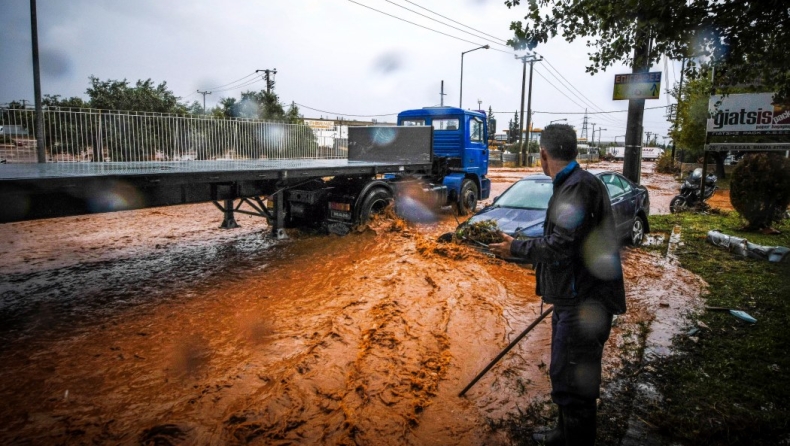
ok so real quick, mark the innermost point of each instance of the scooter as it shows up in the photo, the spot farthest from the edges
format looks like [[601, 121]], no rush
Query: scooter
[[689, 196]]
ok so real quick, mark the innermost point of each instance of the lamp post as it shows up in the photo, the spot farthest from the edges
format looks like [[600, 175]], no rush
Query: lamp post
[[461, 95], [618, 136], [558, 120]]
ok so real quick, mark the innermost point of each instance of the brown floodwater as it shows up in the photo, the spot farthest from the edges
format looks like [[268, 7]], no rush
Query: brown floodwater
[[154, 327]]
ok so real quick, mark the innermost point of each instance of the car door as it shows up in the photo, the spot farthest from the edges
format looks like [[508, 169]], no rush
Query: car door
[[621, 203]]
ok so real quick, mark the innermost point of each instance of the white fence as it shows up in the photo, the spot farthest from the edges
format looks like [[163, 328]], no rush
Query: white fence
[[90, 135]]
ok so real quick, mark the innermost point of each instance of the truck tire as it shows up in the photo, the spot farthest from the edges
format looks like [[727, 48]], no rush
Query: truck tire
[[375, 202], [467, 199]]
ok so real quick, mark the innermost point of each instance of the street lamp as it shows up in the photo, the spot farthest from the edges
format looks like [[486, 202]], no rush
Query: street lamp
[[618, 136], [558, 120], [461, 95]]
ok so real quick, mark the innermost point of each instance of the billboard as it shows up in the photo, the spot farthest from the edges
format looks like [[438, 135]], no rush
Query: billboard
[[747, 114]]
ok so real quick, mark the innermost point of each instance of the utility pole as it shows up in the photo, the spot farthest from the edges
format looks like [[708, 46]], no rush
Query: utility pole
[[524, 147], [268, 76], [593, 132], [204, 93], [479, 104], [647, 142], [632, 157], [442, 94], [40, 151]]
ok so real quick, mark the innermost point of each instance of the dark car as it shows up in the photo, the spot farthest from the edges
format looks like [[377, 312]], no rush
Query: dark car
[[521, 210]]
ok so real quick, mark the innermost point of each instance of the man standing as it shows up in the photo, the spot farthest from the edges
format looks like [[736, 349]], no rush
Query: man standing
[[578, 270]]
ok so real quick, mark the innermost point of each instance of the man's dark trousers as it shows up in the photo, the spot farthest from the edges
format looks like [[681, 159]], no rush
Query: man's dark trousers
[[578, 336]]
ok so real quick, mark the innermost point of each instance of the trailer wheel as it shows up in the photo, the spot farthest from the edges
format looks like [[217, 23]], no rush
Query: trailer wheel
[[467, 199], [375, 202]]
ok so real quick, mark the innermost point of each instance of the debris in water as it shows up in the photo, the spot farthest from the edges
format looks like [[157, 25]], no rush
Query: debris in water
[[743, 247], [484, 232], [743, 316]]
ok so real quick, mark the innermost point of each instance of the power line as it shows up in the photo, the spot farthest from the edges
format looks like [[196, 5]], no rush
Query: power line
[[246, 84], [465, 26], [345, 114], [580, 95], [424, 27], [442, 23], [581, 113], [231, 83]]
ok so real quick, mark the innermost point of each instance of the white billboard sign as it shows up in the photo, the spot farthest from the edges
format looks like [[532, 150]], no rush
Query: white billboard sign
[[745, 114], [320, 125]]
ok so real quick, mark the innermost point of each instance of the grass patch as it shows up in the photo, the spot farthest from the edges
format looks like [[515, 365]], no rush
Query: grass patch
[[733, 384]]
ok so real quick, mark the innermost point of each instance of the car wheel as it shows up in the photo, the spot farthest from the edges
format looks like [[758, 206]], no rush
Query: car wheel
[[678, 204], [376, 201], [638, 231], [467, 199]]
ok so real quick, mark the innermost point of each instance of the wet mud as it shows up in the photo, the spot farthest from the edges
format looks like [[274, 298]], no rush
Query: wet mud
[[143, 328]]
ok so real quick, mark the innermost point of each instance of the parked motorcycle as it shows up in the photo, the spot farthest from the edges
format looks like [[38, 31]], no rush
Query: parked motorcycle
[[689, 195]]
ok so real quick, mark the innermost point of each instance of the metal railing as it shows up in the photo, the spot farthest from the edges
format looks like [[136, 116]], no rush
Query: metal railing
[[91, 135]]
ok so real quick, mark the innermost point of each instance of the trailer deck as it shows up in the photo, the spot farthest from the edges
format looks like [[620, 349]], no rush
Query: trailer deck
[[46, 190]]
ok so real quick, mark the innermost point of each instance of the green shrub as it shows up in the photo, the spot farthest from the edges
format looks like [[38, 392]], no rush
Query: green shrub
[[760, 188], [665, 164]]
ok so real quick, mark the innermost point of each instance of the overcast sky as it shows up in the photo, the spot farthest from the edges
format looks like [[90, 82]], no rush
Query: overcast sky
[[333, 57]]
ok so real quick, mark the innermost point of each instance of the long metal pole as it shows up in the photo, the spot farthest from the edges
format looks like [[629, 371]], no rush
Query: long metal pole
[[40, 152], [461, 93], [522, 162], [507, 349]]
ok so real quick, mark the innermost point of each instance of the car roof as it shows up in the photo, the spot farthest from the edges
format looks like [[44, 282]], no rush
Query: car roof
[[540, 176]]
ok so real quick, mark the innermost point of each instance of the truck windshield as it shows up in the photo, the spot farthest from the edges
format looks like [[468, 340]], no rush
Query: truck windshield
[[445, 124], [411, 122]]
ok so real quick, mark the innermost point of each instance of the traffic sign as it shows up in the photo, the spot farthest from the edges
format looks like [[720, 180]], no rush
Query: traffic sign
[[637, 86]]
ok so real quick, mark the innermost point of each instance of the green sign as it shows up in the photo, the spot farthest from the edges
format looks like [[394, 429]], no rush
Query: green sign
[[637, 86]]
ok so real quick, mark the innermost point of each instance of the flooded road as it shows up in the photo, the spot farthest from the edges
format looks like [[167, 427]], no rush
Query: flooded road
[[152, 327]]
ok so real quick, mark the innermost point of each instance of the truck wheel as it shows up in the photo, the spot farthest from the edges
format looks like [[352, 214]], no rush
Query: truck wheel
[[375, 202], [678, 204], [467, 199]]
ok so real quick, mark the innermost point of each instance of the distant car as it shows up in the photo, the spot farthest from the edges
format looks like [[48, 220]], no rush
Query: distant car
[[521, 210]]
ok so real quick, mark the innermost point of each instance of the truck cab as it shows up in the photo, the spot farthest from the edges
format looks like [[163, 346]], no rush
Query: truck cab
[[460, 149]]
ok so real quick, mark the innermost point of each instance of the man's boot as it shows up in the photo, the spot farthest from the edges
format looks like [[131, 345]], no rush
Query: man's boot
[[553, 437], [580, 425]]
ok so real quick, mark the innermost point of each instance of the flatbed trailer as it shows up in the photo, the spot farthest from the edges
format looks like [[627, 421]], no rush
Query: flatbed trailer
[[48, 190]]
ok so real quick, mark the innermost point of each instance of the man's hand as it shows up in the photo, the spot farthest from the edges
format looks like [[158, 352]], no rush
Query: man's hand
[[502, 249]]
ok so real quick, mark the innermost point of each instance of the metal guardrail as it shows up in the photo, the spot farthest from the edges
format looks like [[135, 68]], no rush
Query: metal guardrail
[[91, 135]]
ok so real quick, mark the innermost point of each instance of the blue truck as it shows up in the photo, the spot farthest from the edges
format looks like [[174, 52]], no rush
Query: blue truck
[[437, 156]]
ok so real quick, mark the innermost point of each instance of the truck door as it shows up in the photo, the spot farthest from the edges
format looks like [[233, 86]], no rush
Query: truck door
[[475, 148]]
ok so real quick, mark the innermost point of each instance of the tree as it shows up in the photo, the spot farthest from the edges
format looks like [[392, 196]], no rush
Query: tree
[[760, 188], [143, 97], [491, 123], [513, 130], [744, 39]]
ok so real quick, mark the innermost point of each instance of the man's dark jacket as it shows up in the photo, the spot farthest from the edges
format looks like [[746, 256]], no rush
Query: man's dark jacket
[[578, 256]]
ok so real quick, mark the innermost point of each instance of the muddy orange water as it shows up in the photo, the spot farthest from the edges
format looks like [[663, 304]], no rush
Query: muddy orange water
[[154, 327]]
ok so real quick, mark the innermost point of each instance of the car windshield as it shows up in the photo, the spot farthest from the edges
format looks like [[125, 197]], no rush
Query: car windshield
[[527, 194]]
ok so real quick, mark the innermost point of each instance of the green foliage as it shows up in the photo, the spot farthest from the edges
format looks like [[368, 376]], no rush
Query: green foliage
[[143, 97], [665, 164], [760, 188], [744, 39]]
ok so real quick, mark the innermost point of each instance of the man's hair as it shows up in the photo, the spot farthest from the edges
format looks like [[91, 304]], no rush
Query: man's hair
[[559, 140]]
